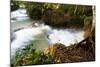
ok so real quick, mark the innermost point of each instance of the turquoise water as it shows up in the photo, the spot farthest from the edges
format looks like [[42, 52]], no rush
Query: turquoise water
[[21, 24]]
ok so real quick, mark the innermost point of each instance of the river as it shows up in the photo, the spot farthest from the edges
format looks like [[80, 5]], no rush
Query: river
[[42, 35]]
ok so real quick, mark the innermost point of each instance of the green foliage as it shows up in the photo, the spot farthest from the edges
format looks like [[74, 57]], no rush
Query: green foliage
[[56, 14], [30, 56], [34, 10], [14, 5], [88, 22]]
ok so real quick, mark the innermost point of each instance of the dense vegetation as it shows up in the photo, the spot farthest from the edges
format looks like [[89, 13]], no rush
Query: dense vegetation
[[56, 14], [14, 5], [30, 56]]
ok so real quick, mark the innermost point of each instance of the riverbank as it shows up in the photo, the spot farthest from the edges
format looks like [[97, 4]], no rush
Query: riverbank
[[57, 53]]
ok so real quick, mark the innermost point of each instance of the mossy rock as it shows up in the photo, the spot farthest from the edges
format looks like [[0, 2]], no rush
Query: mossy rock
[[53, 17], [57, 18]]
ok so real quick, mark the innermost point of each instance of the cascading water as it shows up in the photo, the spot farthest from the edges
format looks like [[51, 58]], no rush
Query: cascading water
[[43, 36], [66, 36]]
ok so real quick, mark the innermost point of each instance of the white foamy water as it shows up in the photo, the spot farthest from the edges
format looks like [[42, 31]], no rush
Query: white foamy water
[[66, 36], [24, 36], [19, 15], [43, 36]]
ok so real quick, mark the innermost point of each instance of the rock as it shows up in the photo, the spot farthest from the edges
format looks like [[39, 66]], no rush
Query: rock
[[69, 54]]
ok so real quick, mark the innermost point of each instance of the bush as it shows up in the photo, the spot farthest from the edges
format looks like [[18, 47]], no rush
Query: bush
[[30, 56], [88, 22], [34, 9], [35, 13], [14, 5]]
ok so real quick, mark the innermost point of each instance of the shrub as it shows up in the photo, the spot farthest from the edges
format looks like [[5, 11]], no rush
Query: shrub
[[88, 22], [30, 56], [35, 14], [14, 5]]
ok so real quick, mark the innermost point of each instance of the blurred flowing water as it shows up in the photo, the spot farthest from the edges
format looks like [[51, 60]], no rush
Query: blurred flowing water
[[42, 35]]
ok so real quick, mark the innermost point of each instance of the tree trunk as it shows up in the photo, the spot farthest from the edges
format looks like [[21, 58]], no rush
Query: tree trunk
[[75, 10]]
